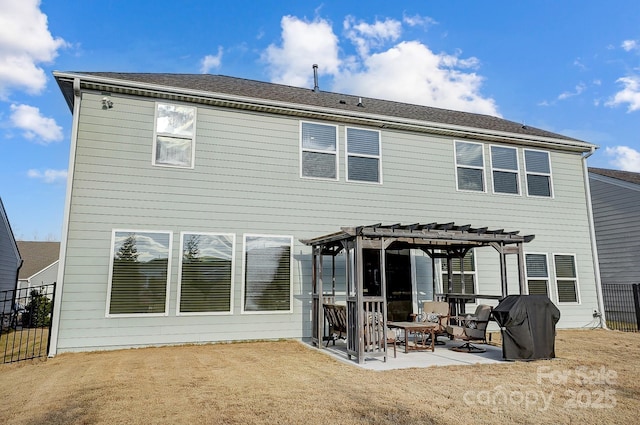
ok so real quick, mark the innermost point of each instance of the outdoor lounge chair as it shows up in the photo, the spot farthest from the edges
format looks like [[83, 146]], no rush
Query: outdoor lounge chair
[[436, 312], [471, 328]]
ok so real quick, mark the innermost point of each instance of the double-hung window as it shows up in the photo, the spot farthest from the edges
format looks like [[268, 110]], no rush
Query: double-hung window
[[468, 264], [469, 166], [174, 135], [318, 151], [537, 274], [566, 278], [267, 273], [363, 155], [538, 169], [139, 273], [205, 278], [504, 170]]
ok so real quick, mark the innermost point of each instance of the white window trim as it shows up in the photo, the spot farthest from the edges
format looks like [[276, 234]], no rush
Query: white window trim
[[303, 149], [548, 278], [555, 280], [484, 162], [244, 266], [110, 277], [347, 155], [516, 172], [156, 134], [527, 173], [233, 262]]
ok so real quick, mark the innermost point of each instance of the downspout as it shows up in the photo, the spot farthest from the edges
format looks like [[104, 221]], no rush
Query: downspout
[[55, 323], [594, 245]]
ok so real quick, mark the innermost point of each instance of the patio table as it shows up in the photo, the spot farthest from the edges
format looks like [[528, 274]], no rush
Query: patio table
[[423, 327]]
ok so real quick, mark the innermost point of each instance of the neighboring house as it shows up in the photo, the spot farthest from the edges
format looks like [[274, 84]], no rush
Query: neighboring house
[[10, 261], [189, 195], [615, 196], [40, 265]]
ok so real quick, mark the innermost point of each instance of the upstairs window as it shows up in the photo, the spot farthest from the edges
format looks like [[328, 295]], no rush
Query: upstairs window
[[469, 166], [566, 278], [537, 274], [504, 170], [267, 274], [538, 169], [205, 275], [363, 155], [174, 138], [318, 151]]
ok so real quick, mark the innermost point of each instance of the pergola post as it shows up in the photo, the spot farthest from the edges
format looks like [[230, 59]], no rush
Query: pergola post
[[359, 306], [522, 277], [503, 271], [317, 324]]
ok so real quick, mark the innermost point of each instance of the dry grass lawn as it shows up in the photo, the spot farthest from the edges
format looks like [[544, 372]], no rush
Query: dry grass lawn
[[23, 344], [594, 380]]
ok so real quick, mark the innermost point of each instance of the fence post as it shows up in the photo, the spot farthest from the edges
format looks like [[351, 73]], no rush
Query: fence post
[[53, 301], [636, 302]]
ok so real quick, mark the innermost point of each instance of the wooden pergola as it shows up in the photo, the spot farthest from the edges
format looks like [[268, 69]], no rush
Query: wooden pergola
[[438, 240]]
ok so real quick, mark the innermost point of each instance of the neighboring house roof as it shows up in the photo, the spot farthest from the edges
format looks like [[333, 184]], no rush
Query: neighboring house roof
[[626, 176], [340, 105], [37, 256]]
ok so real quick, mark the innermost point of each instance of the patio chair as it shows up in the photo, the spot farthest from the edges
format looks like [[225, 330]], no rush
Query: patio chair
[[471, 328], [436, 312], [336, 316]]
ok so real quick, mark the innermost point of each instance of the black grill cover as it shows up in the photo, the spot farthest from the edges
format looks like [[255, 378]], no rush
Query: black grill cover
[[528, 324]]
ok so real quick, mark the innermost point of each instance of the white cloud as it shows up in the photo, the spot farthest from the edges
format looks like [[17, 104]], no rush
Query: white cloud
[[210, 62], [405, 71], [303, 44], [368, 36], [578, 90], [418, 20], [35, 127], [624, 158], [25, 42], [630, 94], [630, 45], [410, 72], [48, 176], [578, 63]]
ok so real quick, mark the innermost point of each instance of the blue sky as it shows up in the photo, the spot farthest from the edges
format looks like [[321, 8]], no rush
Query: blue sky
[[571, 66]]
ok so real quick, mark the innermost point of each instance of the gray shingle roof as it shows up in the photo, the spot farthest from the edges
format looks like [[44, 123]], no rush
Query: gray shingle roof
[[303, 96], [37, 256], [626, 176]]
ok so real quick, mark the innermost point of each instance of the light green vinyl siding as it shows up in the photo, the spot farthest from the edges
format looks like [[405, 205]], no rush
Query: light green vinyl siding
[[246, 180]]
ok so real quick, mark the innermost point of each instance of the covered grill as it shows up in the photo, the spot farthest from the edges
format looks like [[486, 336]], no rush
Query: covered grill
[[528, 324]]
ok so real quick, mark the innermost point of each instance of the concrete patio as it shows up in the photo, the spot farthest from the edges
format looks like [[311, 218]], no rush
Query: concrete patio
[[442, 356]]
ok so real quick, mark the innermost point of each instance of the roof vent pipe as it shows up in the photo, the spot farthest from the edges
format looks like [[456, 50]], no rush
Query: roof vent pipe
[[316, 89]]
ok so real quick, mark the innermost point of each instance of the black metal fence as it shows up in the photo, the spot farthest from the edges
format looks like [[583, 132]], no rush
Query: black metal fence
[[622, 306], [25, 323]]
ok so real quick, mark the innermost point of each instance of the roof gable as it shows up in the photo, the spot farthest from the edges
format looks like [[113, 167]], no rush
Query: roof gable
[[37, 256]]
